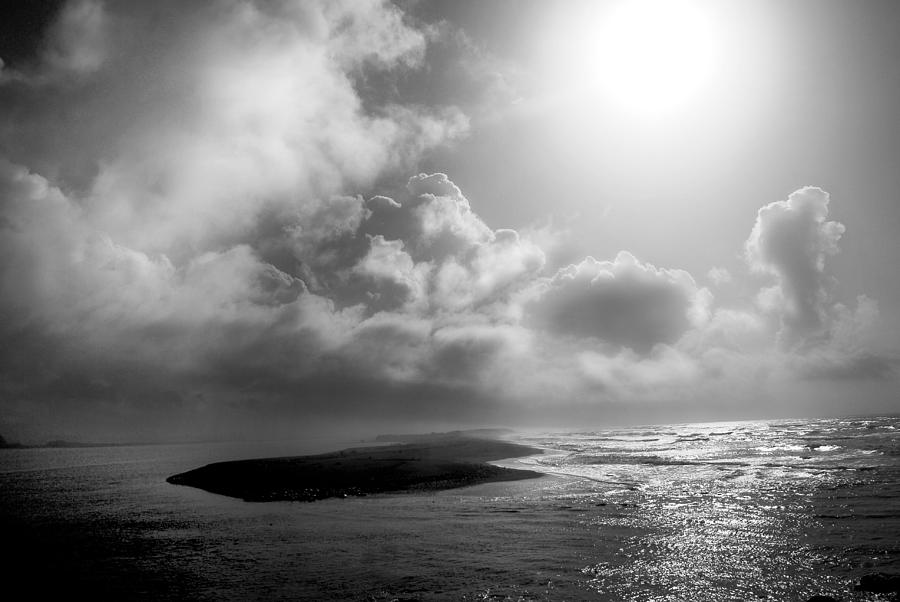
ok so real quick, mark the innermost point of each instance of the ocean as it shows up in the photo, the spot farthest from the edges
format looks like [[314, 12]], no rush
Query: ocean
[[761, 510]]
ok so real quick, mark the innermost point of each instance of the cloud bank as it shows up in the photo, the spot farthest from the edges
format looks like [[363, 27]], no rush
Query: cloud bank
[[185, 250]]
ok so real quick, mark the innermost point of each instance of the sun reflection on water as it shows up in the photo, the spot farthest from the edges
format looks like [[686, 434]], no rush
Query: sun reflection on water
[[722, 513]]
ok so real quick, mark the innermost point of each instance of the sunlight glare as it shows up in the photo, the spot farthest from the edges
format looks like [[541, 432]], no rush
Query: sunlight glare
[[652, 55]]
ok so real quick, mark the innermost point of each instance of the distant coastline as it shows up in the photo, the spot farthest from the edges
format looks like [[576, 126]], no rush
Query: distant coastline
[[62, 443], [432, 462], [484, 433]]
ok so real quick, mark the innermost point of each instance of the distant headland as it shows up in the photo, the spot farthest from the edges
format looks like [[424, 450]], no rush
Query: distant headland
[[59, 443]]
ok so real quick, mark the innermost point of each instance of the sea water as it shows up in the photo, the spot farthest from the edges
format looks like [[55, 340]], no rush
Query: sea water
[[745, 510], [768, 510]]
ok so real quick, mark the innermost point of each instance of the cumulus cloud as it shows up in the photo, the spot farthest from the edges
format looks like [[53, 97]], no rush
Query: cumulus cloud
[[629, 374], [196, 228], [718, 276], [347, 299], [446, 221], [791, 240], [487, 270], [75, 283], [389, 266], [184, 234], [237, 108], [623, 302]]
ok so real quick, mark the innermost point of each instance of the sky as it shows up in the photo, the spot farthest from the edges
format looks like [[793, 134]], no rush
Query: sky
[[245, 219]]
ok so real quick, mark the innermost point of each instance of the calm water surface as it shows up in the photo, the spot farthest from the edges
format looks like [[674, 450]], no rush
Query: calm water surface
[[774, 510]]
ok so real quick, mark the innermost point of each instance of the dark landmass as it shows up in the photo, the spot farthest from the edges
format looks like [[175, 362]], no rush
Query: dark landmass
[[61, 443], [4, 444], [441, 461], [64, 443], [880, 583]]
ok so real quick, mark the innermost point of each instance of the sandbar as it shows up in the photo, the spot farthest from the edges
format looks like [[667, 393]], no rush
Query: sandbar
[[429, 464]]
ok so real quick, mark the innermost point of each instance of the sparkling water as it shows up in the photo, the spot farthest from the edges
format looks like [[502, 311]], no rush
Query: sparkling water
[[770, 510]]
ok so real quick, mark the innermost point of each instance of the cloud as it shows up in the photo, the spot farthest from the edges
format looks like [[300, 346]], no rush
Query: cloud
[[196, 230], [206, 243], [229, 110], [488, 270], [623, 302], [318, 307], [731, 329], [791, 240], [631, 375], [446, 221], [718, 276], [77, 40], [185, 238], [850, 353], [393, 274], [76, 45], [125, 307]]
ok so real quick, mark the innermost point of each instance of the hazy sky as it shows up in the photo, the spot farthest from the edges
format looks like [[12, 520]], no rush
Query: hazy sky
[[263, 219]]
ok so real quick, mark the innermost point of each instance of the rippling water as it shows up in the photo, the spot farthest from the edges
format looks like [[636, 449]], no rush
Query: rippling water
[[774, 510], [744, 510]]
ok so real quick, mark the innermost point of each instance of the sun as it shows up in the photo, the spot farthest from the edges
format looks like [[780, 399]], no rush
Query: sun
[[651, 55]]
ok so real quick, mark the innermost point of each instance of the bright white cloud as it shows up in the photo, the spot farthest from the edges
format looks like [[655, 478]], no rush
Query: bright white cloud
[[791, 240]]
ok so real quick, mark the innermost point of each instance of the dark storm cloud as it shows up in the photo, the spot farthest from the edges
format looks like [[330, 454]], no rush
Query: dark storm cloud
[[22, 27], [74, 42]]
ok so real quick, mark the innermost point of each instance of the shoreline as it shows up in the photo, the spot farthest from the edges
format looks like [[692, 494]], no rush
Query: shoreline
[[433, 463]]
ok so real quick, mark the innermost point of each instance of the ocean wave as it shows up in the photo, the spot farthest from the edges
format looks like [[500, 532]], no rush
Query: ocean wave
[[774, 448], [823, 447]]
